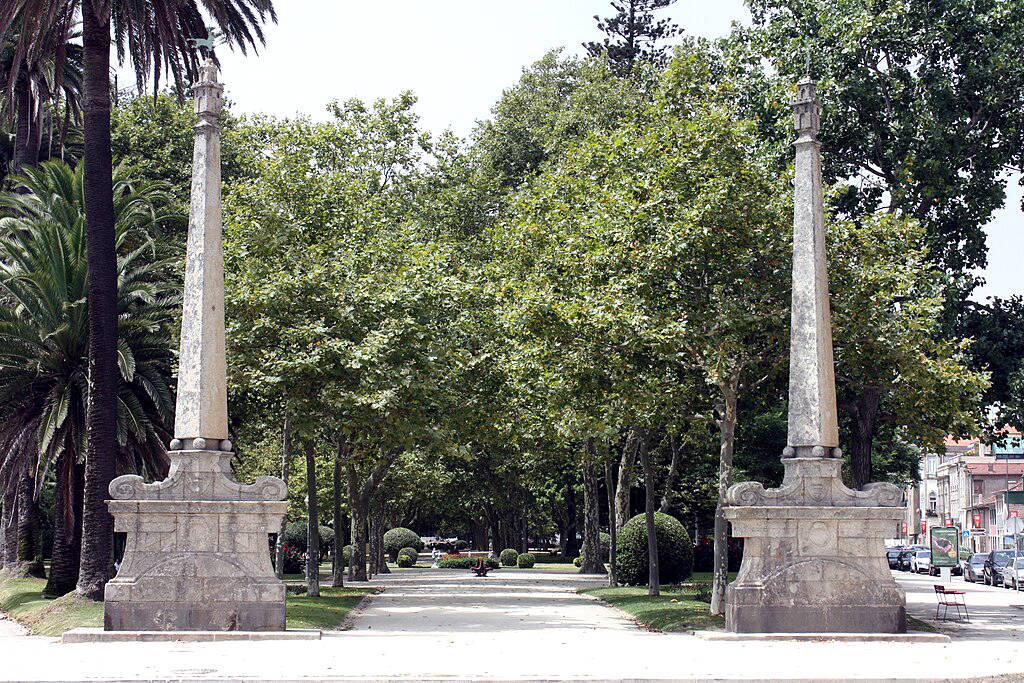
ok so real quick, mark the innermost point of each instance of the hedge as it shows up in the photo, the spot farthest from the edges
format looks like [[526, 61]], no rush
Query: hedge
[[675, 551], [508, 557]]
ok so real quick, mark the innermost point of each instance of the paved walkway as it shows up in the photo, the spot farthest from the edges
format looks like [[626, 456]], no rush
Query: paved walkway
[[440, 625]]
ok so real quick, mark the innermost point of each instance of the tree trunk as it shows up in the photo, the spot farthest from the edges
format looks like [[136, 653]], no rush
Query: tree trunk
[[101, 442], [9, 561], [352, 505], [592, 563], [727, 435], [67, 529], [865, 421], [668, 493], [623, 513], [377, 527], [23, 128], [653, 570], [30, 551], [338, 580], [312, 525], [286, 456], [359, 514], [572, 546], [609, 483]]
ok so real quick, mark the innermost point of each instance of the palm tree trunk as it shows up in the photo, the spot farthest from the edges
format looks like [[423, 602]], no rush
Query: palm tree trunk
[[67, 535], [23, 126], [30, 554], [286, 456], [312, 526], [592, 563], [9, 561], [101, 443], [653, 574]]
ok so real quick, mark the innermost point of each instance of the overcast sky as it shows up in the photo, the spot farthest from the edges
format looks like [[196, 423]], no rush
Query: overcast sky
[[458, 55]]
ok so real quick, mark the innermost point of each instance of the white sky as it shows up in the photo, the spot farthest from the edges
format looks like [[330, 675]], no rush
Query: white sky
[[458, 56]]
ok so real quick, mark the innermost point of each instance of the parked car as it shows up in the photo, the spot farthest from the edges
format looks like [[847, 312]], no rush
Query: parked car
[[892, 556], [973, 567], [906, 555], [995, 563], [1013, 575], [921, 562]]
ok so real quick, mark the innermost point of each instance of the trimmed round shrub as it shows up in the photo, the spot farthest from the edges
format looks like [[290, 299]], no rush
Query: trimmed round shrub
[[675, 552], [409, 552], [460, 561], [578, 562], [406, 561], [398, 538], [509, 557], [295, 537], [526, 561], [346, 555]]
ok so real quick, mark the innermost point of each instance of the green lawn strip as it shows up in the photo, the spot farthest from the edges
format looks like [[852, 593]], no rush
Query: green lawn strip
[[676, 609], [327, 612], [22, 600], [915, 624]]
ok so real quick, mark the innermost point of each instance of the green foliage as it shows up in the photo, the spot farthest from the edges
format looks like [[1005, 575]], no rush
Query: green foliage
[[398, 538], [406, 561], [44, 365], [675, 551], [465, 562], [526, 561], [508, 557], [677, 609], [296, 536], [633, 34], [411, 552]]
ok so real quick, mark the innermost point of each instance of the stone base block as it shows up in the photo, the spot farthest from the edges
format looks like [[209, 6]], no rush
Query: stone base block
[[96, 635], [917, 637], [811, 569], [191, 616], [789, 619]]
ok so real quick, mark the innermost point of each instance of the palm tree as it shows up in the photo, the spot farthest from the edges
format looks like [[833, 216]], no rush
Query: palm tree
[[155, 35], [44, 341]]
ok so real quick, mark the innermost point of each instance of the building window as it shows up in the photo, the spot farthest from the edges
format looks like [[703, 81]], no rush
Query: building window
[[931, 501], [979, 487], [932, 465]]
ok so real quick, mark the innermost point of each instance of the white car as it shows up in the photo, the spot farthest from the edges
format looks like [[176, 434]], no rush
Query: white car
[[1013, 577], [921, 562]]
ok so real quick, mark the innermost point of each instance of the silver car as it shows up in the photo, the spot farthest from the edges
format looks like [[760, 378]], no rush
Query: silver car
[[1013, 576], [921, 562]]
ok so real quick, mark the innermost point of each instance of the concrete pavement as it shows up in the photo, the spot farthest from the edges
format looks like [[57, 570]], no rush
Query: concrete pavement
[[443, 625]]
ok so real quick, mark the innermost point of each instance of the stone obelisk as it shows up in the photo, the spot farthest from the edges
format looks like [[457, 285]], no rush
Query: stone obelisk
[[197, 556], [813, 556]]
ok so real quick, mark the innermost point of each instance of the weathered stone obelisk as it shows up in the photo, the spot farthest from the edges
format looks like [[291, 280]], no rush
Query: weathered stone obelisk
[[197, 555], [813, 558]]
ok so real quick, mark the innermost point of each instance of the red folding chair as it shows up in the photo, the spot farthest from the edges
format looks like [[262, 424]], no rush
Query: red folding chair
[[946, 598]]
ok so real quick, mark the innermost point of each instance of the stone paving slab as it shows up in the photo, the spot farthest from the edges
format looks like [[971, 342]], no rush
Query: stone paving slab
[[98, 635]]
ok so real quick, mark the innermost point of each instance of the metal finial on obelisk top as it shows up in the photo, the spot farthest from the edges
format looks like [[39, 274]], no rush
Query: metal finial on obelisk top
[[202, 407], [813, 425]]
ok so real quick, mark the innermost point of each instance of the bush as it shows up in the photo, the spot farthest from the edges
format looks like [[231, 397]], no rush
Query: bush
[[458, 561], [294, 561], [526, 561], [406, 561], [295, 535], [346, 555], [578, 562], [409, 552], [675, 552], [509, 557], [398, 538]]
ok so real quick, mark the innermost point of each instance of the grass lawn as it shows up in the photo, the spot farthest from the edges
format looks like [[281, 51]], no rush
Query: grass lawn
[[676, 609], [22, 600]]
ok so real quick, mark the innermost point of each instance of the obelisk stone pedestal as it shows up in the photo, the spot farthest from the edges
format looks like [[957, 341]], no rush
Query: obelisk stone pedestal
[[197, 556], [813, 553]]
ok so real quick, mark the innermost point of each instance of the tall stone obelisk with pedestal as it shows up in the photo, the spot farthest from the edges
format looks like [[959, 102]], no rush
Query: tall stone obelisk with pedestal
[[197, 555], [813, 556]]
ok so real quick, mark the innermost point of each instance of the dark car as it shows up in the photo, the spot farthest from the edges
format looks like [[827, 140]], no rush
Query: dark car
[[892, 556], [974, 567], [906, 555], [995, 563]]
